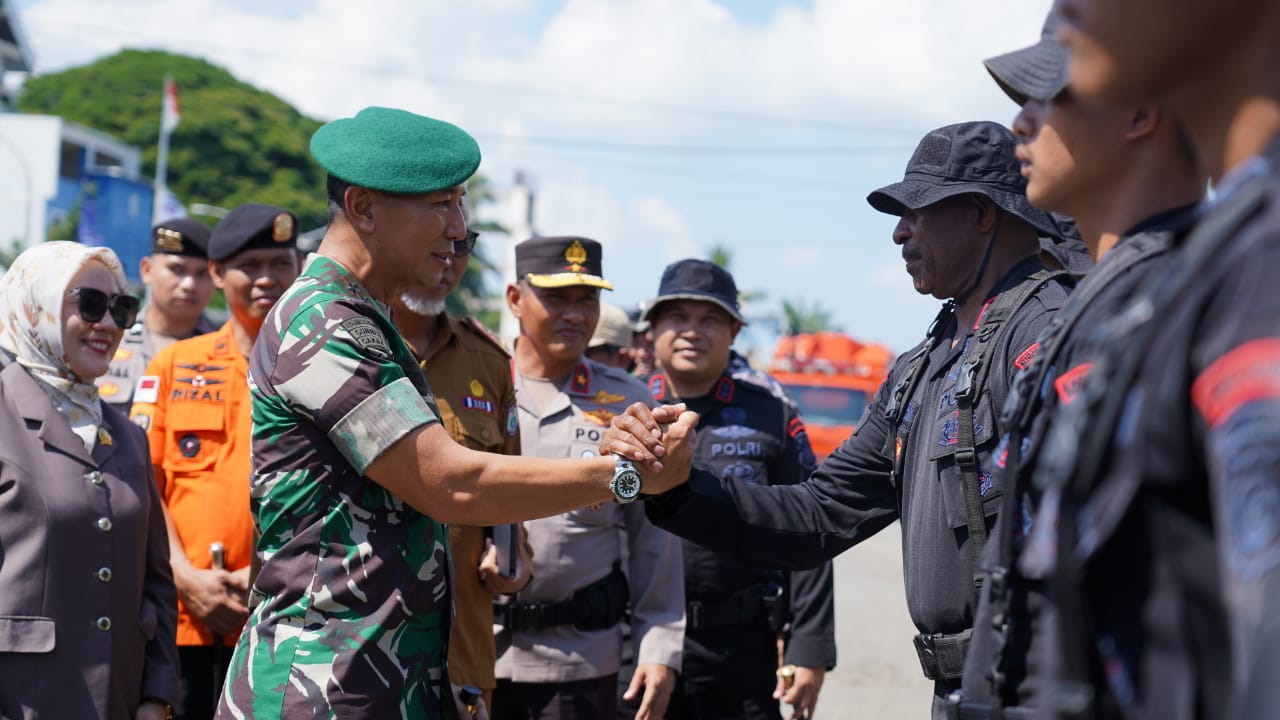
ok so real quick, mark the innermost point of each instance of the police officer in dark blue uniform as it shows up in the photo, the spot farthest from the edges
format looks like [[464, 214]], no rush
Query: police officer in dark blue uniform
[[1131, 184], [923, 453], [1166, 472], [746, 435]]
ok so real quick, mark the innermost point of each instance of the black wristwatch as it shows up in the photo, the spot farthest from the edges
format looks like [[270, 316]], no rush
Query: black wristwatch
[[626, 481]]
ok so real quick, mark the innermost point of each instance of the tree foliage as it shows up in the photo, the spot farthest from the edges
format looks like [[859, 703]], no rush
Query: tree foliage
[[802, 318], [234, 144]]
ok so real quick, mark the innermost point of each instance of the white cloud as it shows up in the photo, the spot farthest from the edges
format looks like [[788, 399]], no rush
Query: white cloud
[[658, 224], [800, 257]]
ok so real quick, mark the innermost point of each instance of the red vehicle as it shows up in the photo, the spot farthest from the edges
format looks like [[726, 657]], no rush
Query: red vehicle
[[832, 378]]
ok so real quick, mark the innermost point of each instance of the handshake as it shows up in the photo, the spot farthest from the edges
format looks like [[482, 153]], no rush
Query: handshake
[[659, 441]]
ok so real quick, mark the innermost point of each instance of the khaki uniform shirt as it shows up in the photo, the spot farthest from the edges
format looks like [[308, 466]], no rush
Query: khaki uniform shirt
[[580, 547], [132, 358], [470, 375]]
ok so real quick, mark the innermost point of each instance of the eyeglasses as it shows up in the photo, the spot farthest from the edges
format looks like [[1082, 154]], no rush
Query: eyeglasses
[[464, 247], [92, 304]]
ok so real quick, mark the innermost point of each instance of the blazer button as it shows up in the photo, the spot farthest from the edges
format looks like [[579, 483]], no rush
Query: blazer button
[[104, 524], [95, 477], [104, 574], [104, 623]]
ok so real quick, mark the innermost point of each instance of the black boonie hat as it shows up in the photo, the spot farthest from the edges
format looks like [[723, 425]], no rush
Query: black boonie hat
[[972, 157], [181, 236], [252, 226], [552, 262], [1038, 72], [1068, 248], [697, 280]]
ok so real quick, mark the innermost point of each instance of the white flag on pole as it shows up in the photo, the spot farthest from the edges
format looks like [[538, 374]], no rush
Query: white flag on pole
[[170, 115]]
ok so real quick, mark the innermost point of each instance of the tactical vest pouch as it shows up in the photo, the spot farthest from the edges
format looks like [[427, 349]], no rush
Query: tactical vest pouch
[[942, 656]]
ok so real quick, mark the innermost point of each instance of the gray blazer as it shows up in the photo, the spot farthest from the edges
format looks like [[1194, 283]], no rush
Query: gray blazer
[[87, 604]]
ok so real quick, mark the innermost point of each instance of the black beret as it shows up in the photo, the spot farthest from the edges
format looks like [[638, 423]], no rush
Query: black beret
[[396, 151], [253, 226], [560, 262], [181, 236]]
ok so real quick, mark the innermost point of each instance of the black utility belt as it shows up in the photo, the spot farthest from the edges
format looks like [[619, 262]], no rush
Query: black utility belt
[[957, 709], [597, 606], [763, 606], [942, 656]]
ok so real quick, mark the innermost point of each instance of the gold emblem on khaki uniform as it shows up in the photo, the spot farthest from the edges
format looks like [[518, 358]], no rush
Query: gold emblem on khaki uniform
[[476, 388], [576, 255], [282, 228], [168, 240]]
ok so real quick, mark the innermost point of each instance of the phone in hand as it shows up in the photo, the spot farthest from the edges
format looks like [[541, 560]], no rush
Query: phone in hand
[[506, 538]]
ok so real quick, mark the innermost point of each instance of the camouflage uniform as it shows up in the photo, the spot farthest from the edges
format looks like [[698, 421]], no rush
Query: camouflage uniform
[[352, 607]]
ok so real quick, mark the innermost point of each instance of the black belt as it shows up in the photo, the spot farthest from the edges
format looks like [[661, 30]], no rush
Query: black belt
[[597, 606], [745, 610], [942, 656]]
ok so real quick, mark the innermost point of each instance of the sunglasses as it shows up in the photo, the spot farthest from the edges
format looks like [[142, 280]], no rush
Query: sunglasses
[[92, 304], [464, 247]]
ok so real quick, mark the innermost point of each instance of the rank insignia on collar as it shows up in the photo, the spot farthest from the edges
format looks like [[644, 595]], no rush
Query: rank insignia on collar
[[581, 380], [104, 437], [607, 398], [658, 387], [724, 390]]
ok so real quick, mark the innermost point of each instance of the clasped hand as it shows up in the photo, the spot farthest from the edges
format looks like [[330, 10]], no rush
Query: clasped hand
[[659, 441]]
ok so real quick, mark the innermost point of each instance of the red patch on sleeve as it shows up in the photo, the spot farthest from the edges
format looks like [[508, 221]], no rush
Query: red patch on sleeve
[[1026, 356], [1247, 373], [795, 427], [1071, 382]]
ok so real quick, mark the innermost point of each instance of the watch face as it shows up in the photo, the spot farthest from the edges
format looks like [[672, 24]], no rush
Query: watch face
[[626, 484]]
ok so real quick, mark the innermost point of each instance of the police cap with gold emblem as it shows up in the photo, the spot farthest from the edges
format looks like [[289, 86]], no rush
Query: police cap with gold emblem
[[560, 262], [396, 151], [252, 226], [181, 236]]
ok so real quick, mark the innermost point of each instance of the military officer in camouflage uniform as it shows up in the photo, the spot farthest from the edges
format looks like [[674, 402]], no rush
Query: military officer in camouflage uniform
[[352, 608], [176, 274], [746, 435], [562, 648]]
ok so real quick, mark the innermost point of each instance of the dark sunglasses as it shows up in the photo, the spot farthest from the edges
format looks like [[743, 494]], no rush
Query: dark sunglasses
[[92, 304], [464, 247]]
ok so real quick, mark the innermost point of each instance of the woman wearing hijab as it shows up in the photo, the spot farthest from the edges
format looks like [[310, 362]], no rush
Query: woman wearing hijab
[[87, 603]]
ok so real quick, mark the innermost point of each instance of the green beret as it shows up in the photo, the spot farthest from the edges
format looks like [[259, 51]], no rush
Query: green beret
[[396, 151]]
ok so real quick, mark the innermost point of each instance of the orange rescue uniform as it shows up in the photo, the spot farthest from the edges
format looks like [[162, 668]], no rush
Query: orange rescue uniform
[[194, 404]]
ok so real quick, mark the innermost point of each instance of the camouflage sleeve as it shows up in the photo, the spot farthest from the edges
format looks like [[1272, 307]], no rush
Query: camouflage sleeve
[[338, 366]]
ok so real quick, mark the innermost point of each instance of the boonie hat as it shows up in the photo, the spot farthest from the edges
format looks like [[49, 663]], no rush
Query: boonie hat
[[1038, 72], [697, 280], [971, 157], [252, 226], [396, 151], [614, 328], [560, 262], [181, 236]]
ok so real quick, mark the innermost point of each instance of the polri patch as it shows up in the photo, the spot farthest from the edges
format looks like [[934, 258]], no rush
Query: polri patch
[[368, 336]]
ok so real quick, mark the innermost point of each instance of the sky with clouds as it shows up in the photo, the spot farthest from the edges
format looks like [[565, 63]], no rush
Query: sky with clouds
[[659, 127]]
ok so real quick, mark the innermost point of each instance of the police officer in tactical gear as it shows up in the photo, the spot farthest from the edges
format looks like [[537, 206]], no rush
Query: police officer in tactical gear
[[923, 453], [1128, 179], [735, 613]]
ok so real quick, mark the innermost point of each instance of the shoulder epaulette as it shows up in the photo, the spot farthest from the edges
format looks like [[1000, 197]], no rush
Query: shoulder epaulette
[[478, 327]]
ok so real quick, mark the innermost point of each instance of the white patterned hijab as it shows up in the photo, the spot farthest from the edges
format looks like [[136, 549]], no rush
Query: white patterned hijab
[[31, 297]]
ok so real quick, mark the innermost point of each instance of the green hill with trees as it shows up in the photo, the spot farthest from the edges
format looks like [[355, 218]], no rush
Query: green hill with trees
[[235, 143]]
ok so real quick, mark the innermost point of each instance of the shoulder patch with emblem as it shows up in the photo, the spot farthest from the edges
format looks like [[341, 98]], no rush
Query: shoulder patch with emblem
[[368, 336]]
